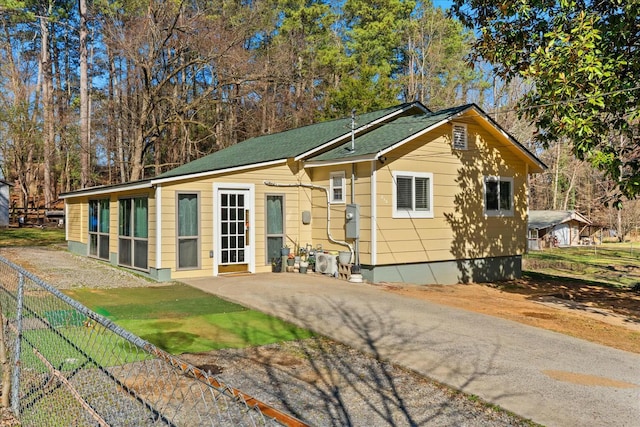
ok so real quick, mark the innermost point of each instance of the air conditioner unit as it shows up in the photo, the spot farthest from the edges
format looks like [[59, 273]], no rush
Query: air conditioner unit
[[326, 264]]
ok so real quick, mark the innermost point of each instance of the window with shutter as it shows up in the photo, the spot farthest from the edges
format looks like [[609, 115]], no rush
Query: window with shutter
[[459, 136], [412, 195]]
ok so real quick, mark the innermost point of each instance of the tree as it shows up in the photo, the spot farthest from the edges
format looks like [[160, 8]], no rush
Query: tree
[[373, 56], [582, 57], [85, 145], [435, 71]]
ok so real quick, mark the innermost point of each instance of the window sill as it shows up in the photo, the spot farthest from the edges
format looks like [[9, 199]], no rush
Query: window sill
[[498, 214], [412, 214]]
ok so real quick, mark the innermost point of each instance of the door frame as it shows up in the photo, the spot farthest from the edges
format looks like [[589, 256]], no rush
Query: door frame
[[250, 251]]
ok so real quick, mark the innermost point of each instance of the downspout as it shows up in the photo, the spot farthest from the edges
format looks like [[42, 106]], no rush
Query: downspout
[[356, 252], [158, 195], [326, 192]]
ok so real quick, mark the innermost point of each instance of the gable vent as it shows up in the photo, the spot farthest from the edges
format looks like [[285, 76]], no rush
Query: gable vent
[[459, 136]]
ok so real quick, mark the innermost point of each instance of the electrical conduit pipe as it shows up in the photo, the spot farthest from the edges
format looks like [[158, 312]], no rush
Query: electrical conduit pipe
[[326, 192]]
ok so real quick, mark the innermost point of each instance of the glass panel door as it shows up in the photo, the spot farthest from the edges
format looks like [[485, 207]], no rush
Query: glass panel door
[[275, 226], [233, 217]]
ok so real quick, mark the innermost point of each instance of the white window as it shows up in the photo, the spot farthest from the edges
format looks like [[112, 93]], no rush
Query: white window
[[412, 195], [498, 196], [459, 136], [337, 187]]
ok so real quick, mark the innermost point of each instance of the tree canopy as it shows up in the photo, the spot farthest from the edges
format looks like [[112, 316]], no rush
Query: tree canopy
[[119, 91], [583, 58]]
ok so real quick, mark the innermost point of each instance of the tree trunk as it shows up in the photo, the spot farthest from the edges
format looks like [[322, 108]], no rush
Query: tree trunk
[[85, 146], [48, 118], [557, 177]]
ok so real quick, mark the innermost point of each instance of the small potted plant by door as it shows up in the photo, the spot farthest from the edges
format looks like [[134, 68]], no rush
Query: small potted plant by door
[[285, 251], [303, 266], [290, 260]]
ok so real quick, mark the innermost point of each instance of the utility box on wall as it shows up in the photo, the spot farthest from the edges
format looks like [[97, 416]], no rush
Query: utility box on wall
[[352, 219]]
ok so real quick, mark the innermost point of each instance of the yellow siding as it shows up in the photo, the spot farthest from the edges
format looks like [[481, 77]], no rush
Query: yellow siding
[[297, 199], [337, 211], [77, 219], [459, 229], [78, 210]]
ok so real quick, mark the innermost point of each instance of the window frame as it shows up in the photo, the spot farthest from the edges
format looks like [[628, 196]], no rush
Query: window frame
[[465, 133], [267, 235], [343, 187], [197, 237], [413, 212], [500, 212], [131, 237], [100, 235]]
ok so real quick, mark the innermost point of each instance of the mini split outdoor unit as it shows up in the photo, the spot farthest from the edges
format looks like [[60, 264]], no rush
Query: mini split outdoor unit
[[326, 264]]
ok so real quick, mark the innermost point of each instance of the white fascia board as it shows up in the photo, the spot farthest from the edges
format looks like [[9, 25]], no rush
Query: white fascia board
[[216, 172], [508, 137], [105, 190], [345, 161], [416, 135], [579, 217], [358, 130]]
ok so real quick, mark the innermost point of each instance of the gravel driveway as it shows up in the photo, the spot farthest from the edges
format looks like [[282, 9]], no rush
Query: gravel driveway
[[319, 381]]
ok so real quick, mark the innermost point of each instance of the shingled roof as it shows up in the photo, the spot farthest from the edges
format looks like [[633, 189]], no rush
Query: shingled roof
[[375, 133], [389, 134], [284, 145], [548, 218]]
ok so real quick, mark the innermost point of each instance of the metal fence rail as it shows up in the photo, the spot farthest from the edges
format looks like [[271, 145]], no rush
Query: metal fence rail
[[72, 366]]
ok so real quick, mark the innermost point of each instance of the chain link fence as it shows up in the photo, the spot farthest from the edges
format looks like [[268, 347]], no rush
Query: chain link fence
[[63, 364]]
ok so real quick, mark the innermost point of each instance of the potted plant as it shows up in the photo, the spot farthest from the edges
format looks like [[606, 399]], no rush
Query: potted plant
[[303, 266], [290, 260], [276, 265], [285, 251]]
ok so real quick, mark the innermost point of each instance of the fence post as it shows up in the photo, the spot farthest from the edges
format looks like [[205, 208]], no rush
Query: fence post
[[15, 380], [4, 362]]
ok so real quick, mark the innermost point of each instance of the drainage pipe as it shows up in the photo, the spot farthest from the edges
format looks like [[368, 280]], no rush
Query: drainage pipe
[[326, 192]]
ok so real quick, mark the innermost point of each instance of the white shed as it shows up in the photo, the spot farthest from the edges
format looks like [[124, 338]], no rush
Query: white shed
[[557, 228], [4, 203]]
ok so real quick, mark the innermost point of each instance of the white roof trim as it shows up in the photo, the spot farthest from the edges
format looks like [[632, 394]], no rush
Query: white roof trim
[[360, 129], [216, 172], [105, 190], [416, 135], [513, 141], [376, 156], [349, 160]]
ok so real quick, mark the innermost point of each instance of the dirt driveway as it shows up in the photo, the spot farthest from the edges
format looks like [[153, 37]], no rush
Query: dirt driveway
[[595, 313]]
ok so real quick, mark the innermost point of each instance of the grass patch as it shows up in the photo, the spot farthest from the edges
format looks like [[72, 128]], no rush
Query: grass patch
[[610, 264], [181, 319], [99, 347], [31, 236]]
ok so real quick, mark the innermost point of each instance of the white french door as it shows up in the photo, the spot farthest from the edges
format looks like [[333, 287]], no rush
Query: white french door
[[234, 213]]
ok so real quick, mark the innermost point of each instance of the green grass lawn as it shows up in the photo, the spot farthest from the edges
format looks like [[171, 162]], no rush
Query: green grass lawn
[[181, 319], [615, 264], [28, 236]]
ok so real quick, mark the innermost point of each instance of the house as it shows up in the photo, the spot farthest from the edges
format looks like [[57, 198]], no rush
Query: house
[[4, 203], [549, 228], [415, 196]]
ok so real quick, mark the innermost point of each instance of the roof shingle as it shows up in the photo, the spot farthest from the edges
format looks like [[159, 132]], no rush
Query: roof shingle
[[278, 146]]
